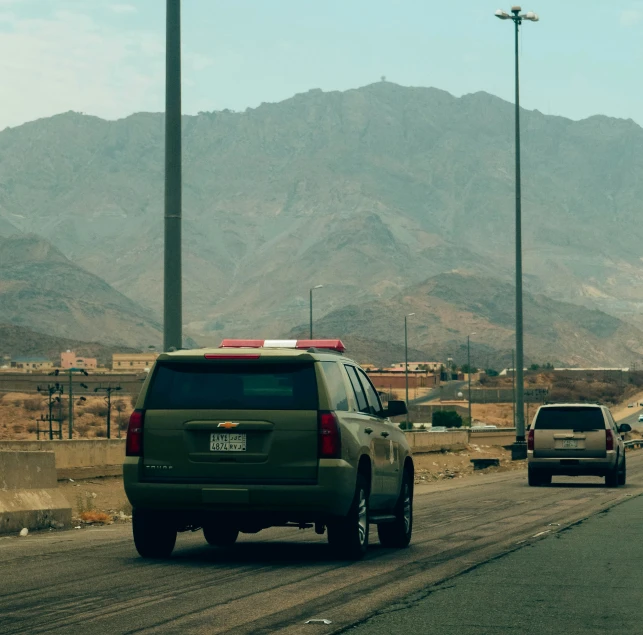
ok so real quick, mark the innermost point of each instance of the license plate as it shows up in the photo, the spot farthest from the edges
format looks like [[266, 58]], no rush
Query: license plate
[[570, 443], [228, 442]]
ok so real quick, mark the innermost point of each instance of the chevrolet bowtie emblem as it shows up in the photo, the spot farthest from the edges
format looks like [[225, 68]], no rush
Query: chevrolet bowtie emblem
[[227, 425]]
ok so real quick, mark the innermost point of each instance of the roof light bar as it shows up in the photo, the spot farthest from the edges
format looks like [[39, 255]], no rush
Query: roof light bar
[[332, 345]]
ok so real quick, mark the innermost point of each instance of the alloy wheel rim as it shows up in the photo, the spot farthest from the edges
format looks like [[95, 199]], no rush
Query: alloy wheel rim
[[362, 522], [407, 508]]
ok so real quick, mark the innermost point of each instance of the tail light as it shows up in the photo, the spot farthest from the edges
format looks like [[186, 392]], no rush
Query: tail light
[[530, 440], [329, 441], [609, 440], [134, 443]]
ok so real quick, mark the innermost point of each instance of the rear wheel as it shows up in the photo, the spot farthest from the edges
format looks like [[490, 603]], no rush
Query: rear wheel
[[398, 533], [612, 477], [154, 536], [348, 536], [622, 476], [535, 479], [220, 535]]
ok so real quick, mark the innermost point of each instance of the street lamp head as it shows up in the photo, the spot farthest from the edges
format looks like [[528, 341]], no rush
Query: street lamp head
[[410, 314], [503, 15], [319, 286], [530, 15], [516, 9]]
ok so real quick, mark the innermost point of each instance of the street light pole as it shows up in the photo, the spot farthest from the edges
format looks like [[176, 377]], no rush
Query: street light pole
[[172, 300], [469, 371], [519, 449], [319, 286], [406, 365]]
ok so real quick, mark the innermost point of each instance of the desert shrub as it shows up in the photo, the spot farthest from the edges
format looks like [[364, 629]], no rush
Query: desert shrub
[[101, 433], [98, 409], [81, 429], [18, 427], [33, 404]]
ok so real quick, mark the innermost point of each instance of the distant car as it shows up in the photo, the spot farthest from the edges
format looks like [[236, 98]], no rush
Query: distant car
[[437, 429], [257, 434], [576, 440], [483, 427], [640, 418]]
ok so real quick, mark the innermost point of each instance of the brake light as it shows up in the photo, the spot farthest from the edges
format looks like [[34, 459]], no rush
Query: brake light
[[609, 440], [530, 440], [329, 441], [331, 345], [134, 442]]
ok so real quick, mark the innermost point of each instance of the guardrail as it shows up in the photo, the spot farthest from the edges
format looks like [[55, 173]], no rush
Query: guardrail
[[633, 443]]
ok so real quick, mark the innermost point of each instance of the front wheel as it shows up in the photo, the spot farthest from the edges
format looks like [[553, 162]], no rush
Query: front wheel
[[536, 479], [154, 535], [398, 533], [348, 536]]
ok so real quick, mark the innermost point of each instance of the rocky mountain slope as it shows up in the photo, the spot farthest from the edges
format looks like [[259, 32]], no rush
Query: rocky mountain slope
[[42, 290]]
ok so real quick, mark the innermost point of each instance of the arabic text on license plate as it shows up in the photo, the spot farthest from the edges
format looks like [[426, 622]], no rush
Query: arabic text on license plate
[[228, 442], [570, 443]]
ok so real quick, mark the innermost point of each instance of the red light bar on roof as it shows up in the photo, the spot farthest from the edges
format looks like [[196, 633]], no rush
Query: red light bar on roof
[[331, 345]]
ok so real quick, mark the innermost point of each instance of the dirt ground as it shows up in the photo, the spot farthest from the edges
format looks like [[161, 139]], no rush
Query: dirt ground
[[19, 412], [97, 496]]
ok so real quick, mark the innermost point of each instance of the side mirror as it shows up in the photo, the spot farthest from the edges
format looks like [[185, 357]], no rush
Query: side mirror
[[395, 409], [624, 427]]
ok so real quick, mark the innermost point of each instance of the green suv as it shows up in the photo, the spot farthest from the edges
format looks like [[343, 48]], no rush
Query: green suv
[[259, 434]]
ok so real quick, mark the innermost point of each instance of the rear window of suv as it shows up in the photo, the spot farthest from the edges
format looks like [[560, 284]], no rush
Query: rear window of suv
[[222, 386], [570, 418]]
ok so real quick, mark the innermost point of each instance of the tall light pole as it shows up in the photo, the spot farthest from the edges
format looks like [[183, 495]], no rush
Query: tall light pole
[[406, 364], [70, 422], [519, 449], [469, 371], [172, 291], [319, 286]]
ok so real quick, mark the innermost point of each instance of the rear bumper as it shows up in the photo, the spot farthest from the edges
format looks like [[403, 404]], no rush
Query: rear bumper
[[332, 495], [573, 466]]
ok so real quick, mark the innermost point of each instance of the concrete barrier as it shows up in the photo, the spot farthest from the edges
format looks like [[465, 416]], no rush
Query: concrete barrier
[[74, 453], [437, 441], [29, 494], [501, 437]]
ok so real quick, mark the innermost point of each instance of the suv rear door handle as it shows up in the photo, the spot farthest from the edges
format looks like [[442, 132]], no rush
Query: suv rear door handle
[[368, 430], [384, 434]]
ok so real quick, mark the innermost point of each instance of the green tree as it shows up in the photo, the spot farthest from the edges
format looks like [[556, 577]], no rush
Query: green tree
[[447, 418], [534, 367], [465, 369], [491, 372]]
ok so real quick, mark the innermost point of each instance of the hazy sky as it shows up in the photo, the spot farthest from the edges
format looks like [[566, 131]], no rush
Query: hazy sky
[[106, 57]]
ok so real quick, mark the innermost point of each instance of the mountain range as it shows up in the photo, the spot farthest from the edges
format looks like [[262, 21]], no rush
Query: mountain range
[[370, 192]]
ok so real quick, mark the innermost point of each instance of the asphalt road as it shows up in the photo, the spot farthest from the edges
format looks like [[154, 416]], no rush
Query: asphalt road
[[584, 581], [633, 417], [91, 580]]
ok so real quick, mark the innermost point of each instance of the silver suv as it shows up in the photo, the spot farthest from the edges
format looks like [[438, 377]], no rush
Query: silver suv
[[576, 440]]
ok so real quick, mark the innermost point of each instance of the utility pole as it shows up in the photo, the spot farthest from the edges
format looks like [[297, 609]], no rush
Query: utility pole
[[109, 390], [173, 295], [319, 286], [513, 384], [51, 390], [70, 422]]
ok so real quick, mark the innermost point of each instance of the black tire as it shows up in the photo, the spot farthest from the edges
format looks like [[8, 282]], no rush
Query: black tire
[[536, 479], [220, 535], [154, 536], [622, 475], [612, 477], [397, 535], [348, 536]]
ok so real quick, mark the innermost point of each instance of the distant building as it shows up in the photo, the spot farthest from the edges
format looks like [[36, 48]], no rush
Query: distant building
[[430, 366], [31, 363], [68, 359], [133, 361], [397, 379]]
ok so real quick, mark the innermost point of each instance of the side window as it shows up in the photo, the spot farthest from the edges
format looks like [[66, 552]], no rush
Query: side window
[[371, 394], [335, 384], [362, 404]]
